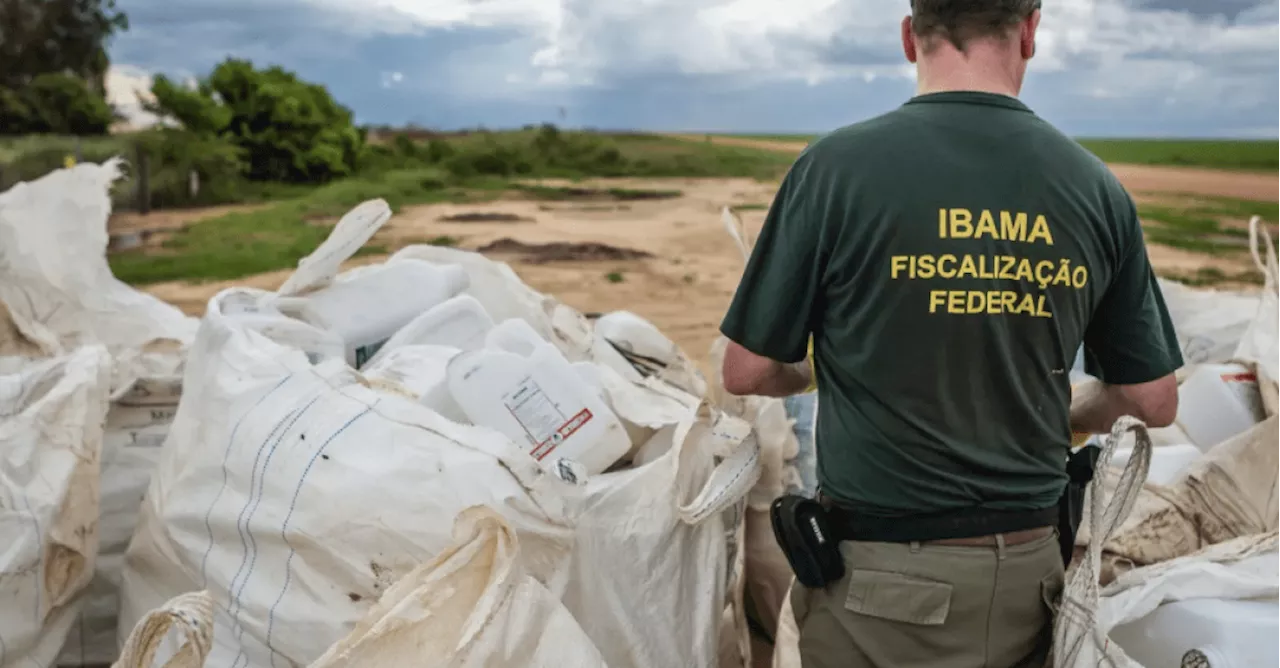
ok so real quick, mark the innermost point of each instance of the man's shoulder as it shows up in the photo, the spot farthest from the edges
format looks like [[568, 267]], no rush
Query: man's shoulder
[[867, 134], [1073, 156]]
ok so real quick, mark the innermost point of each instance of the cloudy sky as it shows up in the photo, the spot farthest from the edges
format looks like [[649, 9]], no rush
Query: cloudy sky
[[1104, 67]]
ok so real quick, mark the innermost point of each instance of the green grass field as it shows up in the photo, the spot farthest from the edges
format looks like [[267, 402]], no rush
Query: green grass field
[[1243, 155], [1250, 155]]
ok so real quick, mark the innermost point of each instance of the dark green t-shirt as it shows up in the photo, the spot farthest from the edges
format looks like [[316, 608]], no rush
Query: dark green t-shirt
[[949, 258]]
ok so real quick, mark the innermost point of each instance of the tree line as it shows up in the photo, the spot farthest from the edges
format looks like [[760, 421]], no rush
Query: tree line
[[261, 124], [53, 77]]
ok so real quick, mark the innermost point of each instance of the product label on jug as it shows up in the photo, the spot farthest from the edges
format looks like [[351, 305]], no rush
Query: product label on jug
[[1244, 387], [545, 424]]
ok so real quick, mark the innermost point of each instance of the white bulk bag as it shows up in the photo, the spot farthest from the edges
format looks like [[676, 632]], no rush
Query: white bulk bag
[[1209, 323], [1241, 569], [1227, 493], [472, 606], [58, 287], [58, 293], [51, 415], [1261, 341], [296, 493]]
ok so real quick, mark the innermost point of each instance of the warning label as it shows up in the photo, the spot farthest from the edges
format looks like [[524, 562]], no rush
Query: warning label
[[544, 422], [574, 424]]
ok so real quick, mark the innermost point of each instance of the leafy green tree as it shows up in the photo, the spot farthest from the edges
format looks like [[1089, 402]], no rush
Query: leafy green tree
[[54, 104], [57, 36], [53, 65], [290, 130]]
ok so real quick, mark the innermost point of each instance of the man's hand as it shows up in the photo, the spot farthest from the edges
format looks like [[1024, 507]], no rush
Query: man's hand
[[746, 373]]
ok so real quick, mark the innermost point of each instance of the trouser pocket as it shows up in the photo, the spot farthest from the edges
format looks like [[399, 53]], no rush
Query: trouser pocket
[[897, 597]]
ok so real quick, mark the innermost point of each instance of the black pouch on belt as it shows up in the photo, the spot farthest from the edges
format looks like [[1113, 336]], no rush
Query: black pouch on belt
[[1080, 468], [806, 536]]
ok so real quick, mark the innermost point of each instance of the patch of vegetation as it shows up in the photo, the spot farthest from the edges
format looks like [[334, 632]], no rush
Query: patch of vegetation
[[54, 103], [1199, 224], [614, 277], [806, 138], [1211, 276], [54, 55], [277, 236], [286, 129], [1236, 208], [756, 206], [1250, 155], [572, 193]]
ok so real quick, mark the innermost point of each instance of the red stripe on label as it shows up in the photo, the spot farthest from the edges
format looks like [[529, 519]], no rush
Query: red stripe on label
[[566, 430], [1239, 378]]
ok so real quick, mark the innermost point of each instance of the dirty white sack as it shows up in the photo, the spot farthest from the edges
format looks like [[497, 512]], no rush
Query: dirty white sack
[[767, 572], [57, 293], [1239, 568], [296, 494], [1209, 323], [1261, 341], [472, 606], [1089, 612], [190, 615], [1227, 493], [51, 416]]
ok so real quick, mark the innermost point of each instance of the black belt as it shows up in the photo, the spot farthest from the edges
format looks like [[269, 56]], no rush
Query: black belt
[[969, 523]]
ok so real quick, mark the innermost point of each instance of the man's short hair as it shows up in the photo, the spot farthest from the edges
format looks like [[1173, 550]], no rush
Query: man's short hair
[[960, 21]]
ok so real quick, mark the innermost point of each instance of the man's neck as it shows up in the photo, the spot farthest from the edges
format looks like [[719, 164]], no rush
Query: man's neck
[[986, 68]]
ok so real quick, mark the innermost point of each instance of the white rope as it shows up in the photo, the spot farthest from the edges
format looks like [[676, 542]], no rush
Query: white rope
[[192, 613], [737, 231], [1268, 267], [1076, 641]]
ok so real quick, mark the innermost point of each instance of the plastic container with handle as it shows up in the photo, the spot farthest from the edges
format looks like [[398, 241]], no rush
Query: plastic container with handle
[[368, 308], [524, 387]]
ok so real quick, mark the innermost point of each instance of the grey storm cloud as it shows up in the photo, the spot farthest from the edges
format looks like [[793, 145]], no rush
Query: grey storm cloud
[[1105, 66], [1203, 8]]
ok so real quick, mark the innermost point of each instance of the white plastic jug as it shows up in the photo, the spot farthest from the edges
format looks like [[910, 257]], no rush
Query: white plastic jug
[[459, 322], [1209, 632], [1218, 401], [523, 387], [421, 373], [1167, 462], [366, 309]]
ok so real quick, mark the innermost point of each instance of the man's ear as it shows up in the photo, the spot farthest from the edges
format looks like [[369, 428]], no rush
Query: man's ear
[[1028, 35], [908, 40]]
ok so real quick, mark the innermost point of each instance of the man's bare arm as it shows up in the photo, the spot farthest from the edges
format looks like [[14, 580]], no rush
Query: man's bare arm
[[746, 373], [1095, 405]]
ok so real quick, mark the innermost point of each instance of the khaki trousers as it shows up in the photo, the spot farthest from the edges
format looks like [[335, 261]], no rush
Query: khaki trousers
[[933, 606]]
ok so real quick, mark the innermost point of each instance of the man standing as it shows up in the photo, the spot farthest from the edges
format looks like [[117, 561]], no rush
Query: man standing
[[948, 259]]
